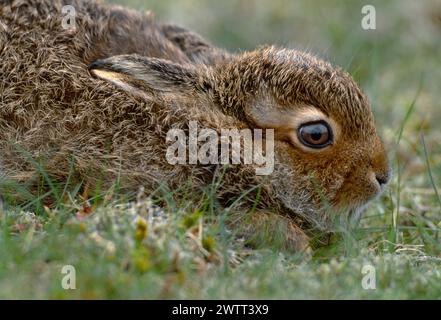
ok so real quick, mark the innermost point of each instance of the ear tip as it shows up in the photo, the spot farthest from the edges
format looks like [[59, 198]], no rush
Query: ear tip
[[97, 64]]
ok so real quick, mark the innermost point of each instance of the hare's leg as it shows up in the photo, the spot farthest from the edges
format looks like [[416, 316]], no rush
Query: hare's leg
[[264, 228]]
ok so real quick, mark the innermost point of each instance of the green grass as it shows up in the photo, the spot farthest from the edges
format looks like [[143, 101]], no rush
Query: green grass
[[127, 246]]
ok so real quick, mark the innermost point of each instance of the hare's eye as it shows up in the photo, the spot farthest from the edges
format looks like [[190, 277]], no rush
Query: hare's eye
[[315, 134]]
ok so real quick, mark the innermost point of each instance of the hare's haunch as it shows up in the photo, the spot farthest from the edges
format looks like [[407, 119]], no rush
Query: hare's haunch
[[104, 93]]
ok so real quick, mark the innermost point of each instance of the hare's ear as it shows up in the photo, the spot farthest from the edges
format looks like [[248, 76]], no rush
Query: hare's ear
[[140, 75]]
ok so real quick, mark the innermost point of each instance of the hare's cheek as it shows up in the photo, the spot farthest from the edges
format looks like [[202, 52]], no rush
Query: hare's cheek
[[357, 190]]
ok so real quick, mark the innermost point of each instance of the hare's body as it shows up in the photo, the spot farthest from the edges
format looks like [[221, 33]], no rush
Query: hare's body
[[54, 108]]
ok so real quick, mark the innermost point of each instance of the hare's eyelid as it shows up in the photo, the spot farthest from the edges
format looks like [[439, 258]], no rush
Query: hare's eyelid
[[310, 115]]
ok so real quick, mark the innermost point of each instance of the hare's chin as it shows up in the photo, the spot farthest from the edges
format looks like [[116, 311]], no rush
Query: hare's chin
[[356, 214], [357, 207]]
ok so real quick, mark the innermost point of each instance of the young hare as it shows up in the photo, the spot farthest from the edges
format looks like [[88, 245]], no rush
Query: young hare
[[111, 118]]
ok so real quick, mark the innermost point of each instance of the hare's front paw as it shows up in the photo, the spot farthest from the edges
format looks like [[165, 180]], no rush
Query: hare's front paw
[[266, 229]]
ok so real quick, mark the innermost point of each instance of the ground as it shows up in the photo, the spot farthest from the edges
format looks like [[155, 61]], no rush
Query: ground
[[130, 248]]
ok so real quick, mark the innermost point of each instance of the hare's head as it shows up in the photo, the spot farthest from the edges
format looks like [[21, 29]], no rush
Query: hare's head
[[328, 156]]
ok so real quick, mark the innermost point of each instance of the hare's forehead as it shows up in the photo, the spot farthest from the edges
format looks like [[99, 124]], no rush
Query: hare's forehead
[[351, 112]]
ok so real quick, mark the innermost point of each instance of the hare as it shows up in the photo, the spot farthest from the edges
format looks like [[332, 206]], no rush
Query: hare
[[77, 97]]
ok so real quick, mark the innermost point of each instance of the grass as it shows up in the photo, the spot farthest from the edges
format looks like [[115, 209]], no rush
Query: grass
[[161, 245]]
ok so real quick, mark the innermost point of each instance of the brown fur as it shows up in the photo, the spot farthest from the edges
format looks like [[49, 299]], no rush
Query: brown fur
[[53, 107]]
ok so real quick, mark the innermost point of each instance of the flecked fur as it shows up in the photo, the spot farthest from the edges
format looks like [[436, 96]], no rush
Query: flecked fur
[[53, 107]]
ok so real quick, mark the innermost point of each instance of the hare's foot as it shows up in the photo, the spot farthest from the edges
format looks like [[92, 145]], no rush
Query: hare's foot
[[262, 229]]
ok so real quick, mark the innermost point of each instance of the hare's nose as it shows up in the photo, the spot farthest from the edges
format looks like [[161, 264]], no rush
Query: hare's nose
[[380, 165], [384, 176]]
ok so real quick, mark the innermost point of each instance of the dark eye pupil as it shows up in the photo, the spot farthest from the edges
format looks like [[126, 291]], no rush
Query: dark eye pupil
[[316, 135]]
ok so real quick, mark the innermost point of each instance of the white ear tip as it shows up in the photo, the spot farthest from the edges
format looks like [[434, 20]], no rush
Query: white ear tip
[[118, 80], [106, 75]]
